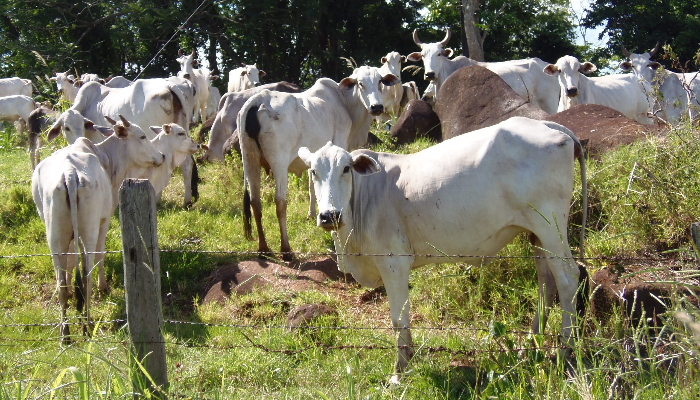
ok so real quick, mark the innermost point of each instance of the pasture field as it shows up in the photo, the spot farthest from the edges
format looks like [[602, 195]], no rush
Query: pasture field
[[470, 324]]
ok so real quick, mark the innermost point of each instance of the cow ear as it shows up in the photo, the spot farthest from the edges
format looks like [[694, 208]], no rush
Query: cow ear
[[654, 65], [416, 56], [305, 155], [365, 165], [213, 77], [261, 73], [588, 67], [390, 79], [383, 60], [54, 131], [625, 66], [244, 72], [87, 123], [78, 83], [195, 64], [156, 129], [347, 83], [104, 130], [204, 147], [167, 129], [448, 52], [551, 69], [121, 131], [403, 59]]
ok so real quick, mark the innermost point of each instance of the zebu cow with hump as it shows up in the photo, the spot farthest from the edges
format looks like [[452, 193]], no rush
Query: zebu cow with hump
[[274, 125], [460, 200], [524, 76], [75, 192], [198, 78], [664, 90], [226, 121], [395, 97], [15, 87], [621, 92], [147, 102]]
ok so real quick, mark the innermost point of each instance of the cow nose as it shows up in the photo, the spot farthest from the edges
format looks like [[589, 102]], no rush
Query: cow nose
[[572, 92], [429, 76], [257, 84], [376, 109], [329, 218], [186, 76]]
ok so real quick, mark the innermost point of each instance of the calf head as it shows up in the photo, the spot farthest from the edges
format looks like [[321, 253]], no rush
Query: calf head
[[640, 64], [568, 71], [330, 169], [138, 150], [74, 125], [434, 55], [393, 61], [366, 81], [173, 140]]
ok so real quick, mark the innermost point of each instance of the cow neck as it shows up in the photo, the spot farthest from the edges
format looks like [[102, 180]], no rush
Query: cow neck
[[360, 117], [112, 155]]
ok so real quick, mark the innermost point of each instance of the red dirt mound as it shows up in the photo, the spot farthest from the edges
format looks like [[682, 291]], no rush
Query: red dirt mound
[[245, 276]]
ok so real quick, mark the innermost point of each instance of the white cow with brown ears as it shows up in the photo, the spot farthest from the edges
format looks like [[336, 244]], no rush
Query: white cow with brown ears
[[459, 201], [75, 191]]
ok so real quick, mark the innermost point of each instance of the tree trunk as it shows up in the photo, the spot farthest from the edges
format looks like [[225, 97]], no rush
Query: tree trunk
[[475, 38], [463, 36]]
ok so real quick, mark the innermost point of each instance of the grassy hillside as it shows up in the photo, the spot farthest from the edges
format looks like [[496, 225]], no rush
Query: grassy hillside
[[240, 349]]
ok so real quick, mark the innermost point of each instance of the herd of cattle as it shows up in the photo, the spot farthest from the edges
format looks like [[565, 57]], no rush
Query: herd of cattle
[[463, 199]]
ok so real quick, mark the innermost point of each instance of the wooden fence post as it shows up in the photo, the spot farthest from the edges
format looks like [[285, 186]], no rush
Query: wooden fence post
[[695, 234], [137, 217]]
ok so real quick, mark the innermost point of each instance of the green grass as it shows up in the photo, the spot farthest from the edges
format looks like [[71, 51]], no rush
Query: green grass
[[245, 353]]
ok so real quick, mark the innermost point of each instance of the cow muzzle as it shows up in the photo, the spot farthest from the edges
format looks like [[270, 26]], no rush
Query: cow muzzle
[[186, 76], [572, 92], [376, 109], [429, 76], [330, 220]]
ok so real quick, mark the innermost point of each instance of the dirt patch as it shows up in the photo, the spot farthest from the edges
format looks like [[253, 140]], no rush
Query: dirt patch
[[245, 276], [601, 128]]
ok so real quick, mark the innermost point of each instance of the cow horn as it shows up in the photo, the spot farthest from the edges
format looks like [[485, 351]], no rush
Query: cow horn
[[124, 121], [415, 37], [625, 51], [179, 52], [447, 37], [110, 120], [655, 49], [192, 53]]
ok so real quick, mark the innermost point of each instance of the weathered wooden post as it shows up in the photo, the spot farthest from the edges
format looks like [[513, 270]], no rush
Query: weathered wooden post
[[137, 217]]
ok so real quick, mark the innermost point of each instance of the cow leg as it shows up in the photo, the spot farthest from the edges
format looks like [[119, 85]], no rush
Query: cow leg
[[89, 244], [394, 273], [281, 207], [547, 286], [100, 257], [59, 262], [253, 177], [312, 199], [186, 168], [69, 265]]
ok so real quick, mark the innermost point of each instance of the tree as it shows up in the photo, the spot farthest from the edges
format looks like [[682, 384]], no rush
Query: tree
[[640, 24]]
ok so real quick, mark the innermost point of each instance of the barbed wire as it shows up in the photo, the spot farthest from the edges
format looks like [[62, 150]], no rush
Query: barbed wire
[[618, 259]]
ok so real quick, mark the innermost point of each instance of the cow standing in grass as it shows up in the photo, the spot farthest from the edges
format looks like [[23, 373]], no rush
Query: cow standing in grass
[[459, 201]]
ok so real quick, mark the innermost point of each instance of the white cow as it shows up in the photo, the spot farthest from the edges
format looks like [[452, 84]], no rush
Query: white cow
[[201, 84], [15, 87], [392, 95], [176, 145], [118, 82], [148, 102], [274, 125], [691, 84], [429, 94], [460, 200], [620, 92], [17, 108], [67, 85], [75, 191], [85, 78], [245, 77], [524, 76], [664, 90], [226, 121], [214, 95]]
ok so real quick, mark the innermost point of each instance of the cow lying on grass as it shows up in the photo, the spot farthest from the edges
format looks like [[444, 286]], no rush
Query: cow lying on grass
[[75, 191], [459, 201]]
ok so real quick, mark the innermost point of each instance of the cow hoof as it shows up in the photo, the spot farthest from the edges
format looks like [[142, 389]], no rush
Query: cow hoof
[[395, 380], [288, 256], [187, 205]]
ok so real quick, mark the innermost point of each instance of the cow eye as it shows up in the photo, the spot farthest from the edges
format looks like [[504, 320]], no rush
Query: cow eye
[[143, 137], [181, 134], [346, 169], [359, 84], [313, 173]]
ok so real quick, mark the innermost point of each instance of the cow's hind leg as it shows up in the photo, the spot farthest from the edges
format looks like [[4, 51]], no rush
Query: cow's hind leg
[[281, 180], [547, 286], [253, 176], [186, 167]]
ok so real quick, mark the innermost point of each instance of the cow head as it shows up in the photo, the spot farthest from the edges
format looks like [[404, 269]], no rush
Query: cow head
[[251, 75], [392, 61], [367, 83], [568, 71], [139, 152], [173, 140], [187, 65], [330, 169], [434, 55], [63, 79], [74, 125], [640, 64]]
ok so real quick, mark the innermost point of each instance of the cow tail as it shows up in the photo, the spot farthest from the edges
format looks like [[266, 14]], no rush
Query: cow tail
[[247, 215], [195, 180], [72, 189]]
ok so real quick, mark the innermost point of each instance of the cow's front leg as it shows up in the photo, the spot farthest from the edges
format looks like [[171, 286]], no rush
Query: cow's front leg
[[187, 168], [312, 199], [395, 274], [281, 208]]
